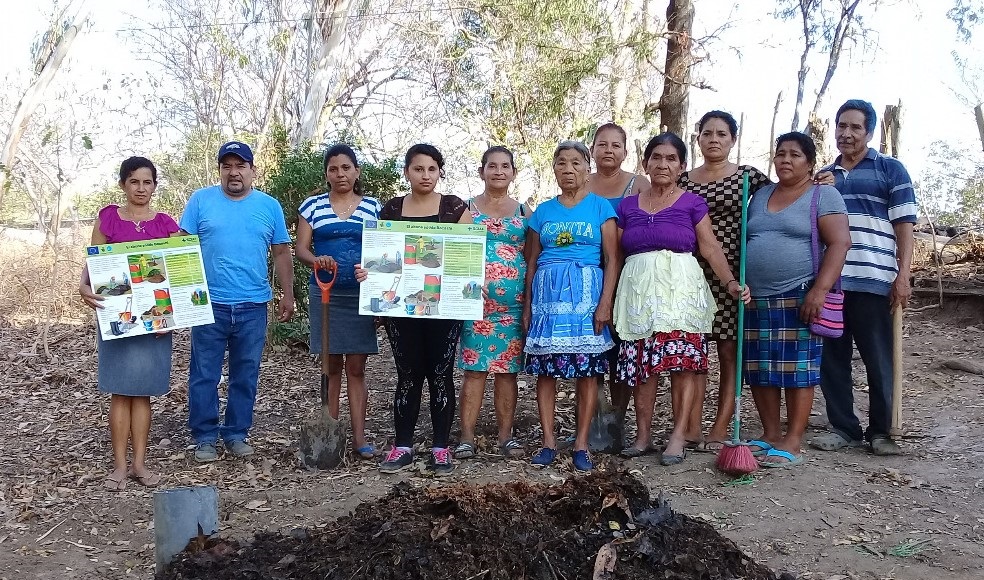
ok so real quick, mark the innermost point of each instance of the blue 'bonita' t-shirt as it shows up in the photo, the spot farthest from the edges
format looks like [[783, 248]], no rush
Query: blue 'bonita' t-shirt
[[582, 223], [236, 235]]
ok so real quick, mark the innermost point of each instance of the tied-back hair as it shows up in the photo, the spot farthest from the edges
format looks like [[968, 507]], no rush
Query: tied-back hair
[[343, 149], [607, 126], [728, 119], [572, 146], [805, 142], [498, 149], [425, 149], [670, 138], [131, 164]]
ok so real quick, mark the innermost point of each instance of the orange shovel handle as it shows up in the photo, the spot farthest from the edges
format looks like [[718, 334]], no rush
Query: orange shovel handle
[[326, 286]]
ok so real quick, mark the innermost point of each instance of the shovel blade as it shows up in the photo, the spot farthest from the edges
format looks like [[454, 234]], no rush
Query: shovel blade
[[607, 431], [323, 442]]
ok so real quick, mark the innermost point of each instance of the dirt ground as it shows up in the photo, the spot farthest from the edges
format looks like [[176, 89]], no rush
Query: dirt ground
[[840, 516]]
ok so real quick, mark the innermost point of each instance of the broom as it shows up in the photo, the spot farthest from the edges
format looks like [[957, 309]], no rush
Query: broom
[[735, 458]]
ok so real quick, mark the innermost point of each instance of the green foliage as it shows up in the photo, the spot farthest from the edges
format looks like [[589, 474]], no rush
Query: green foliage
[[952, 188], [517, 68]]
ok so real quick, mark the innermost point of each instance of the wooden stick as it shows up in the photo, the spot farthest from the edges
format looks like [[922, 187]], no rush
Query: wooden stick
[[937, 255], [741, 125], [897, 372], [772, 133]]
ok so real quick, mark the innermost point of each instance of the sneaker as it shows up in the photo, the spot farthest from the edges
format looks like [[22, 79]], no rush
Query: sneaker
[[544, 457], [206, 453], [440, 463], [582, 462], [398, 459], [883, 445], [239, 448]]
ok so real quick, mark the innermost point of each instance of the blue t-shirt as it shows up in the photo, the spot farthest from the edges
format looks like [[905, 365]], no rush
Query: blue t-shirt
[[779, 249], [340, 239], [236, 236], [579, 225]]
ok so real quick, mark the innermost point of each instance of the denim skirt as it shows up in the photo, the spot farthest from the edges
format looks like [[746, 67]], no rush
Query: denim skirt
[[136, 366], [348, 331]]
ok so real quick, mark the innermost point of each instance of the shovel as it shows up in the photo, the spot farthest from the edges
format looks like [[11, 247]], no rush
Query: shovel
[[323, 439]]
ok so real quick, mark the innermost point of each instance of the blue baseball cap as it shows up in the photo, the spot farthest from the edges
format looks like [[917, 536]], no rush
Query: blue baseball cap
[[237, 148]]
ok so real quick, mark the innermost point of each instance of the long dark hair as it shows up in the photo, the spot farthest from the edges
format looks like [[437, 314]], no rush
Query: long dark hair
[[343, 149]]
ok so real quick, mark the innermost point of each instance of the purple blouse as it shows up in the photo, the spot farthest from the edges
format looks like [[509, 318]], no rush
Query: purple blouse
[[673, 228], [118, 230]]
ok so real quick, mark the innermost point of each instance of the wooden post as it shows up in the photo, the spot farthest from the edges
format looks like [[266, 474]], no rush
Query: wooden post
[[772, 133], [979, 115], [890, 127], [741, 125], [693, 147]]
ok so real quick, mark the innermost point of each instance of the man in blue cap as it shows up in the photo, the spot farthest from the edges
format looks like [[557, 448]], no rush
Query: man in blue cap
[[238, 227]]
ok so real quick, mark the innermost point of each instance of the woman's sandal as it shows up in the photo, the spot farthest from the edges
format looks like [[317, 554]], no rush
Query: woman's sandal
[[512, 449], [114, 484], [633, 451], [464, 450], [705, 446], [366, 452], [152, 480]]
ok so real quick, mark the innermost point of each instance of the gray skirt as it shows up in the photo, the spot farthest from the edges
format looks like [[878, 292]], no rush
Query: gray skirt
[[137, 366], [348, 331]]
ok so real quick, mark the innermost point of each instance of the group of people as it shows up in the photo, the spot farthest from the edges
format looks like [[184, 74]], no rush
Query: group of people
[[618, 274]]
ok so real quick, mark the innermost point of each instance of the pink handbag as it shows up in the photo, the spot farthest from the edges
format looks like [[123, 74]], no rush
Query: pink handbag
[[830, 323]]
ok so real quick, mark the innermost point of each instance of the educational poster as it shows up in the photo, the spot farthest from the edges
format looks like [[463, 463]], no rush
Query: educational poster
[[421, 269], [149, 286]]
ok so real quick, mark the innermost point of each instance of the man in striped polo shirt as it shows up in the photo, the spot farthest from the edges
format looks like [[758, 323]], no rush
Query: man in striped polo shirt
[[881, 206]]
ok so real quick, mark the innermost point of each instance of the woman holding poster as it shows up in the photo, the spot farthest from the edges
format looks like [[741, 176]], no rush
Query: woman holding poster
[[136, 368], [573, 266], [423, 348], [331, 225], [495, 343]]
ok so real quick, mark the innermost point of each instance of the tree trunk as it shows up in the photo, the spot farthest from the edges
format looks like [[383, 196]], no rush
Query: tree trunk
[[891, 124], [675, 100], [817, 130], [29, 102], [841, 32], [772, 133], [804, 68], [979, 115], [331, 17]]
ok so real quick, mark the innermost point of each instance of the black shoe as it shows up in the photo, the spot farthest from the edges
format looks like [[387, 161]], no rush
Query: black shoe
[[396, 460], [440, 463]]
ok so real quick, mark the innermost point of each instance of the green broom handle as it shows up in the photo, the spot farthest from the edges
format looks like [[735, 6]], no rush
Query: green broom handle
[[741, 306]]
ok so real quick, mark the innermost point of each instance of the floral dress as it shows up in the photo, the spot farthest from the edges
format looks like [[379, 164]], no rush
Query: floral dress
[[495, 343]]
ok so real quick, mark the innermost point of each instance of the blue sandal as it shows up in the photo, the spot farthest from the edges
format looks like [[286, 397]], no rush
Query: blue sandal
[[763, 447], [366, 451], [791, 460]]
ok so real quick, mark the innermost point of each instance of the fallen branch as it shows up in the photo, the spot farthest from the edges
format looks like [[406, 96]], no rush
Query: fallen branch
[[48, 533]]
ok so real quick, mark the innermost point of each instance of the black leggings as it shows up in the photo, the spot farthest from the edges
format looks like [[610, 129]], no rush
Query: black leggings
[[423, 349]]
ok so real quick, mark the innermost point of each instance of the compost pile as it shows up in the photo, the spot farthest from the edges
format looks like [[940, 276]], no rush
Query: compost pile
[[602, 526]]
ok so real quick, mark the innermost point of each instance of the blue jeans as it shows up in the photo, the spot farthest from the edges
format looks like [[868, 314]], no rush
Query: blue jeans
[[240, 328], [867, 323]]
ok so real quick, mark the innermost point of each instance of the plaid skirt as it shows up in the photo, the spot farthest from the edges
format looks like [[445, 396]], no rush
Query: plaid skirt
[[779, 349]]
